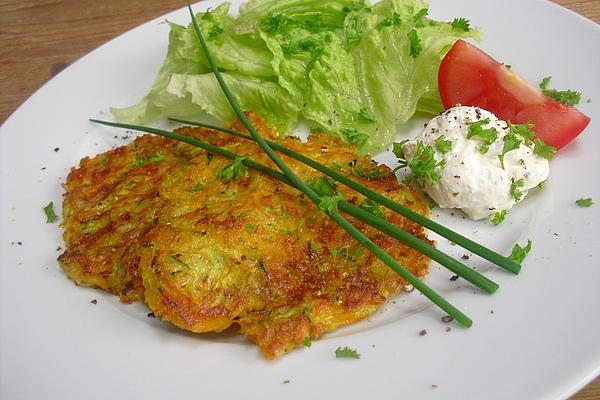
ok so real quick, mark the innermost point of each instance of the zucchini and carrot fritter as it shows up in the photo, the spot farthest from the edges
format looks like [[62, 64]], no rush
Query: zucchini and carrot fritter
[[155, 221]]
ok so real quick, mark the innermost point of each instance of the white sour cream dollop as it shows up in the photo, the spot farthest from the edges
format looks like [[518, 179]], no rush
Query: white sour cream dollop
[[471, 181]]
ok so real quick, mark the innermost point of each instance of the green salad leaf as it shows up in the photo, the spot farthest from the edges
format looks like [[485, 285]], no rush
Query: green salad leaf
[[346, 67]]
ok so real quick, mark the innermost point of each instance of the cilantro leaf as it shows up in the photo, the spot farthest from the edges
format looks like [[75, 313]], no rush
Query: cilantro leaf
[[50, 214], [499, 217], [365, 116], [588, 202], [519, 253], [329, 204], [443, 145], [372, 208], [568, 97], [424, 165], [346, 352], [462, 24], [488, 135], [544, 150], [511, 142], [235, 170], [415, 43], [515, 189]]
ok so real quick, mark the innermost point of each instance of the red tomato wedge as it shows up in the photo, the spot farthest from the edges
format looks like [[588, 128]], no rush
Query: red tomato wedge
[[470, 77]]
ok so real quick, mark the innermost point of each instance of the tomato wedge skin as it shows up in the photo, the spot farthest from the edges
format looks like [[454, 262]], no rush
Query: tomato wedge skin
[[471, 77]]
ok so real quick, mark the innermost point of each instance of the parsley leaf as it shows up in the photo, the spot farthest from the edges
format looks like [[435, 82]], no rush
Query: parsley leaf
[[214, 33], [488, 136], [415, 43], [399, 151], [50, 214], [354, 137], [568, 97], [443, 145], [235, 170], [365, 116], [346, 352], [324, 186], [372, 174], [515, 189], [523, 130], [544, 150], [424, 165], [389, 21], [307, 342], [499, 217], [511, 142], [462, 24], [372, 208], [588, 202], [329, 204], [519, 253]]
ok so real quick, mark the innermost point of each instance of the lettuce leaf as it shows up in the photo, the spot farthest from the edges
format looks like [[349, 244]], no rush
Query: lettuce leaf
[[345, 66]]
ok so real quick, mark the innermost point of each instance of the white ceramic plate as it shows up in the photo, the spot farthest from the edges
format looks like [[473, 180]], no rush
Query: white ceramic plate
[[537, 338]]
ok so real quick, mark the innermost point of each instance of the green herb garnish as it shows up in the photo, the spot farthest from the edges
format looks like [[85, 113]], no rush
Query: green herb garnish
[[461, 24], [346, 352], [587, 202], [394, 20], [488, 135], [307, 342], [424, 165], [519, 253], [354, 137], [329, 204], [365, 116], [443, 145], [415, 43], [50, 214], [511, 142], [499, 217], [235, 170], [324, 186], [523, 130], [214, 33], [515, 189], [568, 97], [372, 207], [543, 150]]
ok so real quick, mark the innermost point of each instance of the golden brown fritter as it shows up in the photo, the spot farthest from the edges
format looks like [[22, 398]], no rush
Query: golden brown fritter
[[151, 221]]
